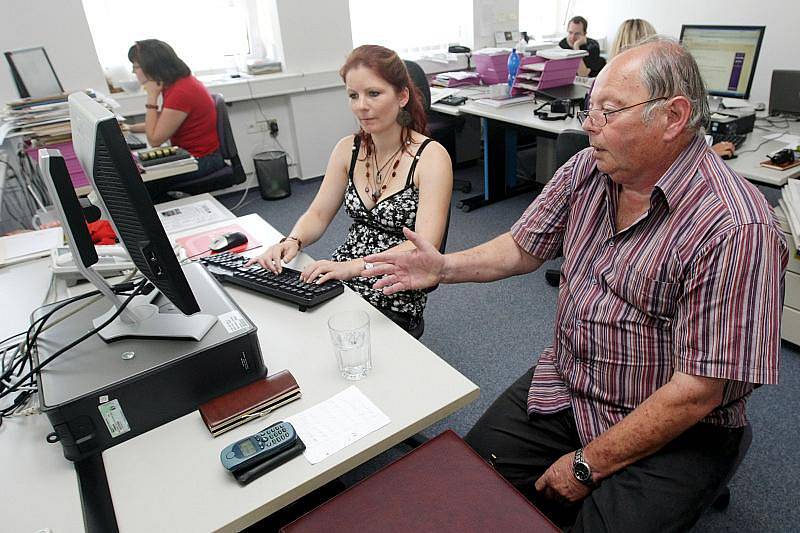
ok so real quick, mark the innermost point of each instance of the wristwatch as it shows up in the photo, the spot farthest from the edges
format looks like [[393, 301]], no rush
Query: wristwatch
[[581, 469]]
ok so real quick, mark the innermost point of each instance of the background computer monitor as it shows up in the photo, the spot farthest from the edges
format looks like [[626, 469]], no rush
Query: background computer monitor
[[727, 56], [33, 73], [107, 161], [784, 93]]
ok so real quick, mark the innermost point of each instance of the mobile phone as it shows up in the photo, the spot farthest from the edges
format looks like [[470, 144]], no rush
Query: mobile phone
[[258, 448]]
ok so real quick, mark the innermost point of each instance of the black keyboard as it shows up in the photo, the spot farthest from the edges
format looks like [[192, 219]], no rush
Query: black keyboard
[[734, 138], [287, 286], [134, 142]]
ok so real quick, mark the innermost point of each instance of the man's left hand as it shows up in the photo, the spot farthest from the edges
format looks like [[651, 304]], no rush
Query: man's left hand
[[559, 483]]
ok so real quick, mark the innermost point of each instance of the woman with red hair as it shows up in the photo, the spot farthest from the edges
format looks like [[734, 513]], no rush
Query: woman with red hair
[[389, 175]]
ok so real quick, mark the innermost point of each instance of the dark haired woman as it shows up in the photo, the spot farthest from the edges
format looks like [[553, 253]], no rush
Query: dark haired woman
[[188, 117], [389, 176]]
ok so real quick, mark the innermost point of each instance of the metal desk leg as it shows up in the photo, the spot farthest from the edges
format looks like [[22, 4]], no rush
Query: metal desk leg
[[499, 166]]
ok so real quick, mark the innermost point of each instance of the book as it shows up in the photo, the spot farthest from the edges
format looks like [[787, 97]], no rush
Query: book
[[250, 402], [769, 164]]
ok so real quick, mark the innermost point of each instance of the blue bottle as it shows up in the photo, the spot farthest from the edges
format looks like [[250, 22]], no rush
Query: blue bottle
[[513, 67]]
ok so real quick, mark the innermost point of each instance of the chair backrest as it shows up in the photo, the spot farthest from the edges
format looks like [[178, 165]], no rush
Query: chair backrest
[[227, 144], [443, 244], [421, 81], [569, 143]]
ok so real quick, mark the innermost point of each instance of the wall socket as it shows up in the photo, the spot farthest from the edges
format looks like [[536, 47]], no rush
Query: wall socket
[[262, 126]]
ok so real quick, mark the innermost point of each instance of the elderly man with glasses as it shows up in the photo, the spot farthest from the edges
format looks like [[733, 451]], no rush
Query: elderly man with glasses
[[668, 313]]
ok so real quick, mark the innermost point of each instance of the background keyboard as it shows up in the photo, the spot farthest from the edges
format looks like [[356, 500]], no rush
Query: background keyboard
[[134, 142], [287, 286], [737, 140]]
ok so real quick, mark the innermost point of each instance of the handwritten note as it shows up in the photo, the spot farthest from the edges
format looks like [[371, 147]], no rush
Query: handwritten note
[[337, 422]]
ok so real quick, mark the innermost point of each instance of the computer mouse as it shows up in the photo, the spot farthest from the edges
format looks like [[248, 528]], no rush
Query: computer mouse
[[225, 242], [726, 156]]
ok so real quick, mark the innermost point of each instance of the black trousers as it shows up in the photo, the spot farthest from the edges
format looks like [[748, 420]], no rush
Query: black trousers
[[666, 491]]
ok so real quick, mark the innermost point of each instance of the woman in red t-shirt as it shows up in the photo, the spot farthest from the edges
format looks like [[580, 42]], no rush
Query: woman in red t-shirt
[[188, 116]]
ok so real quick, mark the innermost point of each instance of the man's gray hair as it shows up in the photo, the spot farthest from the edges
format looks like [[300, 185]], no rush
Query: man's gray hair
[[670, 70]]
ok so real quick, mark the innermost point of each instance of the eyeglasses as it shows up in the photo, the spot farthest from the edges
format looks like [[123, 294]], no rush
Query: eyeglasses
[[600, 118], [135, 66]]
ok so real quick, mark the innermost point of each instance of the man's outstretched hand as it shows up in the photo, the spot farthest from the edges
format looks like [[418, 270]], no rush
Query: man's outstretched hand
[[406, 270]]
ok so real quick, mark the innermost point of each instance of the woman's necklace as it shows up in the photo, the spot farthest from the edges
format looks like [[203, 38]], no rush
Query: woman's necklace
[[380, 182]]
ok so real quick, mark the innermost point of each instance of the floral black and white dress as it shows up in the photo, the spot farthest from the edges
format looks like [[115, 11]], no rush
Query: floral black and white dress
[[377, 229]]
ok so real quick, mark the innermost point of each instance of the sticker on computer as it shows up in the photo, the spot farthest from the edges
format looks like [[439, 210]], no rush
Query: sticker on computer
[[114, 418], [233, 321]]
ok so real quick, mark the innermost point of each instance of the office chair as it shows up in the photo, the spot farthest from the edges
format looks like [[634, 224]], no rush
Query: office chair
[[442, 127], [420, 329], [231, 174], [568, 143]]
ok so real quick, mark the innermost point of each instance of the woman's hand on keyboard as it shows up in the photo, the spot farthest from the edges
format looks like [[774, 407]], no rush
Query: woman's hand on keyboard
[[321, 271], [271, 259]]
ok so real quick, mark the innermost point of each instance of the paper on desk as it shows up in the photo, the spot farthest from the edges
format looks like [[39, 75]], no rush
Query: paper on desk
[[180, 218], [29, 245], [792, 141], [438, 93], [337, 422]]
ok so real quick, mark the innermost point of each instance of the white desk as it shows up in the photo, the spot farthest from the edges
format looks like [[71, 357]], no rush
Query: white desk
[[189, 490], [747, 162]]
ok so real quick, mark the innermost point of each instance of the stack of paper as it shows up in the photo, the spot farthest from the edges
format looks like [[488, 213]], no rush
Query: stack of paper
[[561, 53], [457, 79], [43, 120]]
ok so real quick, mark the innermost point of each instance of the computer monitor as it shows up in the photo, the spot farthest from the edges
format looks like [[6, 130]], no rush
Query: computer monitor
[[727, 56], [784, 93], [104, 156], [33, 73]]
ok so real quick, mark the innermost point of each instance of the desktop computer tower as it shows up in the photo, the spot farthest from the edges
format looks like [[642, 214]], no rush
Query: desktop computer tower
[[100, 394]]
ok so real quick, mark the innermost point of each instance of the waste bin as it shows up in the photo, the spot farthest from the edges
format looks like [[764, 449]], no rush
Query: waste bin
[[272, 172]]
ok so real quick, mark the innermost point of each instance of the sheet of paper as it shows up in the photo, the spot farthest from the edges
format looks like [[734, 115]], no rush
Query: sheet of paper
[[190, 216], [337, 422], [29, 245], [437, 93], [791, 141]]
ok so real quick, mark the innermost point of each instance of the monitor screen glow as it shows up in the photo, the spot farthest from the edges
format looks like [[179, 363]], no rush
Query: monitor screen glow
[[727, 56]]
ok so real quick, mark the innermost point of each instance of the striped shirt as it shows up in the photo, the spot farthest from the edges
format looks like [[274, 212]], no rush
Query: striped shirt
[[694, 285]]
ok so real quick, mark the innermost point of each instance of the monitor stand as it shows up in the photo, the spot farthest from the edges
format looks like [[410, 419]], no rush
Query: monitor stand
[[140, 318], [145, 320]]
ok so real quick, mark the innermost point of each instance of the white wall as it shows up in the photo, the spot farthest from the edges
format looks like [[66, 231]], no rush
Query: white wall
[[316, 40], [494, 15], [61, 27], [781, 17]]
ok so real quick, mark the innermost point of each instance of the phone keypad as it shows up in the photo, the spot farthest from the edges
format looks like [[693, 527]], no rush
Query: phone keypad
[[272, 436]]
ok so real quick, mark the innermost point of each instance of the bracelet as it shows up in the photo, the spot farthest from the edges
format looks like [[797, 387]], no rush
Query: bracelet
[[151, 106], [295, 239]]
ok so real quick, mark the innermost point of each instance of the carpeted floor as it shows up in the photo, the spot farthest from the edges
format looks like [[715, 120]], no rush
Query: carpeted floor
[[499, 329]]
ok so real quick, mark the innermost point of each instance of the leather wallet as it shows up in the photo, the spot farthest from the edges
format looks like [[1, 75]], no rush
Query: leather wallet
[[250, 402]]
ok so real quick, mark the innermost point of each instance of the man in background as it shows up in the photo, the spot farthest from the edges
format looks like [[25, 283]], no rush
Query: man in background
[[576, 39]]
